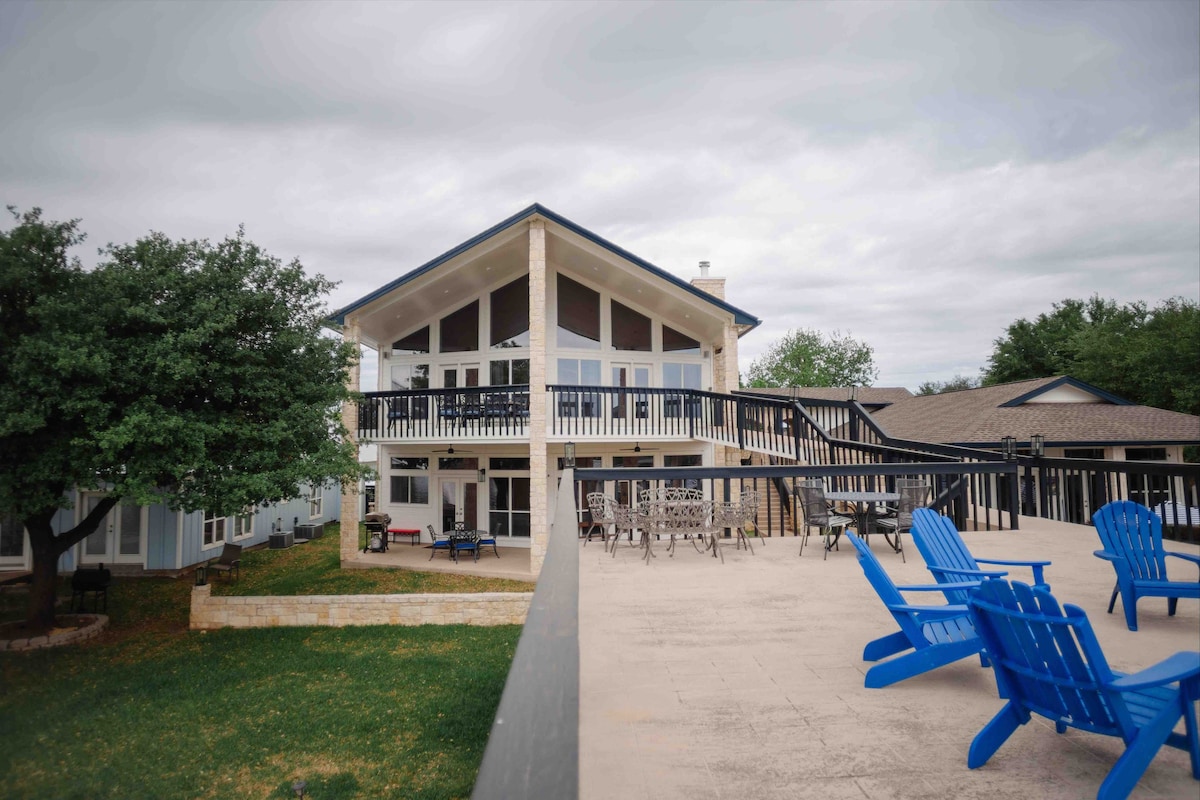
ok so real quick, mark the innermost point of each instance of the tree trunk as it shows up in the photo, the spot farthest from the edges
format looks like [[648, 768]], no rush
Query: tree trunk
[[46, 548]]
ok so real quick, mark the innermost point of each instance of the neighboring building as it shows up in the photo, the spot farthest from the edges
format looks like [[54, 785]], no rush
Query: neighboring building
[[535, 333], [135, 539], [1077, 420]]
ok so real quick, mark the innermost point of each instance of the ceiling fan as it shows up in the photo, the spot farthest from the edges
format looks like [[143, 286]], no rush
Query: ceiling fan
[[451, 451], [637, 448]]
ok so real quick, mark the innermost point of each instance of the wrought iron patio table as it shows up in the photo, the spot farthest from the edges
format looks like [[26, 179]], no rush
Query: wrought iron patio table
[[864, 503]]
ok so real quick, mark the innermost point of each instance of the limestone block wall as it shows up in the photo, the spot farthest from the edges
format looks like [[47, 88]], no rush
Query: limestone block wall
[[490, 608]]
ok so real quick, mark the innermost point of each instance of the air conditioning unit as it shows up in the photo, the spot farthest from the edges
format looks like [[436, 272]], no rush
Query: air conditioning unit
[[310, 531], [281, 541]]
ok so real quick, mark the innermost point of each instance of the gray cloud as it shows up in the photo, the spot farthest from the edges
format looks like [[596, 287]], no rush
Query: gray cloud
[[919, 175]]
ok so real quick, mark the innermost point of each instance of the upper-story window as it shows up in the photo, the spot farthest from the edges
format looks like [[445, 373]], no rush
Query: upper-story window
[[460, 330], [410, 376], [680, 343], [510, 314], [509, 371], [578, 315], [415, 343], [630, 330]]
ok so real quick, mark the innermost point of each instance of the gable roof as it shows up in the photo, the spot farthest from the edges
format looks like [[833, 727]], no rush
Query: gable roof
[[741, 318], [867, 395], [982, 417]]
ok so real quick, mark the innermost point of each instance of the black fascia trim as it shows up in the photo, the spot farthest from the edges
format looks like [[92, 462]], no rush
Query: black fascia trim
[[1087, 443], [1067, 380], [740, 317]]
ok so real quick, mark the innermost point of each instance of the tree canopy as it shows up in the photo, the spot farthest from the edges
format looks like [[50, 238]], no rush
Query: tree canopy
[[955, 384], [186, 373], [808, 358], [1148, 356]]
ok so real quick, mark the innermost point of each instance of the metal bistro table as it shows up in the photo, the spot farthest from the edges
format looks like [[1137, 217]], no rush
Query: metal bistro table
[[863, 503]]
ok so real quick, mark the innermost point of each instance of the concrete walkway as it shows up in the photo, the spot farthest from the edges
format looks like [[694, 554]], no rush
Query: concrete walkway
[[745, 679]]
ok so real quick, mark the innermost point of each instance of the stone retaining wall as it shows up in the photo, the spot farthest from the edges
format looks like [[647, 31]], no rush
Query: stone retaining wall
[[489, 608], [89, 626]]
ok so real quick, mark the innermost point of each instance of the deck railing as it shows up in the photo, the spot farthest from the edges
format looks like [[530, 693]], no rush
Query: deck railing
[[462, 413]]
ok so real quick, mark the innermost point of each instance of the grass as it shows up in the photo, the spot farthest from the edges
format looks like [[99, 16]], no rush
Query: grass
[[312, 568], [151, 710]]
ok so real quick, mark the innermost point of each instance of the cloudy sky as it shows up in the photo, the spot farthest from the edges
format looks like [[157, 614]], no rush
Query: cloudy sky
[[918, 175]]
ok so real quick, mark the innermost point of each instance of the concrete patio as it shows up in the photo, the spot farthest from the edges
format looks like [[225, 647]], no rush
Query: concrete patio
[[513, 562], [745, 679]]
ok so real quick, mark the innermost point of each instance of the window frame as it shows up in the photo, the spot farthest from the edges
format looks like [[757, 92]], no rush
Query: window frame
[[205, 544]]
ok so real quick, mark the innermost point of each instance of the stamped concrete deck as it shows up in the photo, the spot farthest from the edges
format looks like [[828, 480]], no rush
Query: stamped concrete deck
[[745, 679]]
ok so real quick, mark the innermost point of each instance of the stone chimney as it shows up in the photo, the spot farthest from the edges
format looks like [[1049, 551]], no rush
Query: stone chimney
[[714, 286]]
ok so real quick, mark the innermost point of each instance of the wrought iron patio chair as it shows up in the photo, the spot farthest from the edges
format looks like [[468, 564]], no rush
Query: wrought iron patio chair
[[625, 521], [815, 508], [438, 542], [914, 494], [600, 506]]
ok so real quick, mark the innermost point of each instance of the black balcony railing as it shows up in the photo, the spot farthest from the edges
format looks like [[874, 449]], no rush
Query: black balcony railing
[[462, 413]]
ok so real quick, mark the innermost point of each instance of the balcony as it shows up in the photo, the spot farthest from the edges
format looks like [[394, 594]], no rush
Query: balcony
[[589, 413], [486, 413]]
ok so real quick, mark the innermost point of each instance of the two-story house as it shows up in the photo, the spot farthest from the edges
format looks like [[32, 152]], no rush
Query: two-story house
[[535, 333]]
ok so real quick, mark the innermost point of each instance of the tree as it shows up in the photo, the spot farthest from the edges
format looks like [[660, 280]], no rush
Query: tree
[[806, 358], [1047, 345], [188, 373], [1147, 356], [955, 384]]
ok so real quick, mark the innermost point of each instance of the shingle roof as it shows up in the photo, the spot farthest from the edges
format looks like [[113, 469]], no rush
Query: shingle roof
[[979, 417], [867, 395], [740, 317]]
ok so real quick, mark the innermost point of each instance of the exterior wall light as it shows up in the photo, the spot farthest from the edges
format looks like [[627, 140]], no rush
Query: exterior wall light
[[569, 455], [483, 476], [1037, 445], [852, 393], [1008, 446]]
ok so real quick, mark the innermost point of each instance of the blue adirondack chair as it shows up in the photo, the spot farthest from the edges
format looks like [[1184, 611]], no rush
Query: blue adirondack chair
[[936, 635], [1132, 537], [1049, 663], [948, 558]]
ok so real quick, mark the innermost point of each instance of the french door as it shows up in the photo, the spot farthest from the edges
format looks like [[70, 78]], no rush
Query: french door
[[630, 406], [459, 503], [121, 536]]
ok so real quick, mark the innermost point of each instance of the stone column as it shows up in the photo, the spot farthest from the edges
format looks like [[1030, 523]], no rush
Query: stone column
[[539, 516], [349, 509]]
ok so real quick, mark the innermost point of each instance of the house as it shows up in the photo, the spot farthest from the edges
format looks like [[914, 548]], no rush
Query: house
[[136, 539], [535, 333], [1076, 419]]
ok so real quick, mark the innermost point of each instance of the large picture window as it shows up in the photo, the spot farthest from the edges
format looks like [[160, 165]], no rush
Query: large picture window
[[460, 330], [510, 314], [415, 343], [578, 315], [630, 330], [681, 343]]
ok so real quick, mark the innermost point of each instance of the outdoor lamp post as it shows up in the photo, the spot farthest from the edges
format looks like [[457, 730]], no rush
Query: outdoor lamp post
[[1037, 445], [1008, 446], [569, 455]]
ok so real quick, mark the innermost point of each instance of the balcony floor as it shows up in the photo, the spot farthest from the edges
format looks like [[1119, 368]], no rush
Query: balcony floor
[[745, 680]]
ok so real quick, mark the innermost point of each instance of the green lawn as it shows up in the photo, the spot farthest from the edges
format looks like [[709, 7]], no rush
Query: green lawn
[[151, 710], [312, 568]]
